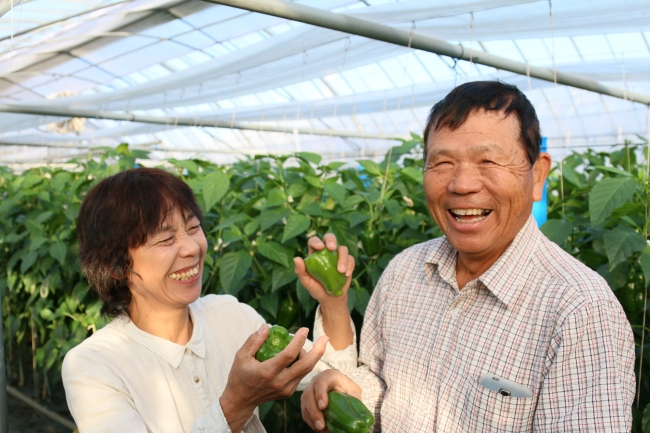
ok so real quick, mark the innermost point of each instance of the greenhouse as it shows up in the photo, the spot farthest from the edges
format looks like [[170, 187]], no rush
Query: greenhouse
[[263, 131]]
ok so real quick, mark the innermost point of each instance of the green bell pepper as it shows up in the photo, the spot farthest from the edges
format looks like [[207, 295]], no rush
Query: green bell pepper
[[322, 265], [347, 414], [371, 242], [288, 312], [275, 343]]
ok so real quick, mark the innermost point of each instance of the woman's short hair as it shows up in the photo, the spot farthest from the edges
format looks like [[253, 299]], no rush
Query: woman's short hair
[[119, 213]]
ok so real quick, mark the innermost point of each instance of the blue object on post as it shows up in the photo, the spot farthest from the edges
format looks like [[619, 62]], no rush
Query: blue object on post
[[540, 208]]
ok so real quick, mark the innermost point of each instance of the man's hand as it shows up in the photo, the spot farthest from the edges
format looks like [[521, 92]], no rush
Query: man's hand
[[345, 266], [314, 399], [251, 383]]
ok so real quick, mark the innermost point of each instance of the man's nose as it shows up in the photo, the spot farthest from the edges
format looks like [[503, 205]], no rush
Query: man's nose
[[466, 179]]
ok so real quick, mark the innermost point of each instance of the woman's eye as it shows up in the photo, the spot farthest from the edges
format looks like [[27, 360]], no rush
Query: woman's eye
[[195, 228]]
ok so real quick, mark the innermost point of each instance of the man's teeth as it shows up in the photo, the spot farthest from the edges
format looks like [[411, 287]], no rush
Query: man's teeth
[[479, 213], [180, 276], [469, 211]]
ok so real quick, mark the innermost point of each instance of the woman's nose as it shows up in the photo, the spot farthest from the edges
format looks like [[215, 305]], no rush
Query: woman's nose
[[190, 246]]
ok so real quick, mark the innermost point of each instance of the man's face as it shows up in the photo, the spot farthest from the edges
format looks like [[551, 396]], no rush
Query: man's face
[[479, 184]]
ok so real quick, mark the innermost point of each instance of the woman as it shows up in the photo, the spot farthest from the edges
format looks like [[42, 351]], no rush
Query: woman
[[171, 361]]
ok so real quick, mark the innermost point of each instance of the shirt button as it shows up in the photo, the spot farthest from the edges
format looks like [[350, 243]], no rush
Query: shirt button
[[196, 379], [187, 351], [454, 313]]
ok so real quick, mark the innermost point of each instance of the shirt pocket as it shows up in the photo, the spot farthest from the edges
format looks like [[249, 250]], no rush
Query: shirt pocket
[[490, 411]]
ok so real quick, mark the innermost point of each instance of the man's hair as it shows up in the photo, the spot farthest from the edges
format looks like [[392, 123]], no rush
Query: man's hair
[[452, 112], [119, 213]]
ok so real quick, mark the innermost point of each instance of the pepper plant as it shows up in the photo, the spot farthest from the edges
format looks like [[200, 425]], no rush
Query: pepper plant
[[259, 213], [598, 212]]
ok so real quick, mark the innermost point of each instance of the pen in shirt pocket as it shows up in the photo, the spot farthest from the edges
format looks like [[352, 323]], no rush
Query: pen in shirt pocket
[[505, 387]]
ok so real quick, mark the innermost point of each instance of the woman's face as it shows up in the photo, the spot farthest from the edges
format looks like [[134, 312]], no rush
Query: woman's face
[[170, 264]]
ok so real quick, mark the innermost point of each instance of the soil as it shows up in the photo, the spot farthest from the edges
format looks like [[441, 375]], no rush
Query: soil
[[24, 419]]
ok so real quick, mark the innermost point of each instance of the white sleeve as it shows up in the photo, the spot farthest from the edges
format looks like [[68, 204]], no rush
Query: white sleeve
[[344, 360], [215, 422]]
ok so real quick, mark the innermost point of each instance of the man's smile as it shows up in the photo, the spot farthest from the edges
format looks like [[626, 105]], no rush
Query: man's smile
[[469, 215]]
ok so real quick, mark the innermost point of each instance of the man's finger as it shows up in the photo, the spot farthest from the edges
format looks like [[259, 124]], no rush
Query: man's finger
[[255, 341], [330, 241], [309, 408], [342, 265], [311, 413]]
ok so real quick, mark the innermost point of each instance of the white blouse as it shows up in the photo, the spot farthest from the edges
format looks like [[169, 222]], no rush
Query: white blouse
[[123, 379]]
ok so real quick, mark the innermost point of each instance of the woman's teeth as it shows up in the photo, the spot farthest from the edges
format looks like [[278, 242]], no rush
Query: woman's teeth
[[465, 215], [180, 276]]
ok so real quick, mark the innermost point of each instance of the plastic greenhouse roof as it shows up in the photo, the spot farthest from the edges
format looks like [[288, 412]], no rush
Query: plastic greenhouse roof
[[216, 63]]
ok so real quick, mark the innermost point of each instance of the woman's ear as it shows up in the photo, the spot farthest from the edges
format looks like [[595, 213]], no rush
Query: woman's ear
[[541, 168]]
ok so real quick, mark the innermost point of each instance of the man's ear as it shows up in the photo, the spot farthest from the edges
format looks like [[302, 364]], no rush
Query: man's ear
[[541, 168]]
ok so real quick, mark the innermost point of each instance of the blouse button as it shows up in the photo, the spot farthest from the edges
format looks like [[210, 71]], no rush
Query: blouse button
[[187, 350], [196, 379]]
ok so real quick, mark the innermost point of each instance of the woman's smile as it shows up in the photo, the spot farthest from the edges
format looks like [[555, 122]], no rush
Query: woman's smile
[[186, 275]]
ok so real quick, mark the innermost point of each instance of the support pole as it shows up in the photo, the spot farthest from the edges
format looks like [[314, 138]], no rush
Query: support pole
[[356, 26], [184, 121], [4, 413]]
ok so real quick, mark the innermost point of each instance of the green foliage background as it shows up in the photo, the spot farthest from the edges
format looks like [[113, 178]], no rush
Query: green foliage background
[[259, 214]]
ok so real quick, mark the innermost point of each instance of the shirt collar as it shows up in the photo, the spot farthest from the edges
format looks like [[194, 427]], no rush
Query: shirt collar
[[168, 350], [504, 278]]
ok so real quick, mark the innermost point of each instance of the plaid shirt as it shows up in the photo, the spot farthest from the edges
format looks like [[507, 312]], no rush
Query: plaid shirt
[[537, 317]]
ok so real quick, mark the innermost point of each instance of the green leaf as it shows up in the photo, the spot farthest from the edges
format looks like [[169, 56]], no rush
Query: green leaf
[[645, 265], [614, 170], [251, 227], [233, 268], [230, 221], [270, 303], [572, 176], [336, 191], [278, 253], [313, 181], [356, 218], [312, 209], [345, 236], [607, 195], [275, 197], [557, 230], [215, 186], [371, 167], [306, 301], [58, 250], [270, 217], [335, 165], [621, 243], [28, 261], [645, 420], [42, 217], [282, 276], [362, 301], [414, 174], [296, 224], [314, 158]]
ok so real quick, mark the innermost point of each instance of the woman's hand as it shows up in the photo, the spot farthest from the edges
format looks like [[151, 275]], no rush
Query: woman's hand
[[345, 266], [314, 399], [336, 316], [251, 383]]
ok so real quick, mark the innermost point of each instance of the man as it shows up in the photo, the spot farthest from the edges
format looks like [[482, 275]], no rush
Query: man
[[491, 328]]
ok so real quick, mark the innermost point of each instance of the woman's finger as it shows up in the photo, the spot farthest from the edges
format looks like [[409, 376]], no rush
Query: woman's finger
[[350, 269], [342, 265], [254, 342], [283, 359], [330, 241], [315, 244]]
